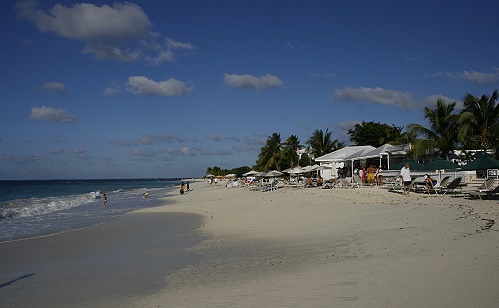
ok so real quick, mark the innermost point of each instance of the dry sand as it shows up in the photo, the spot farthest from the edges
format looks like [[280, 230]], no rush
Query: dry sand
[[363, 247]]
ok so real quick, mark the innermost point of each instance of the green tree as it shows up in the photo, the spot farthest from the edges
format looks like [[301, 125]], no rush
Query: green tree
[[441, 135], [321, 143], [270, 154], [479, 122], [374, 133]]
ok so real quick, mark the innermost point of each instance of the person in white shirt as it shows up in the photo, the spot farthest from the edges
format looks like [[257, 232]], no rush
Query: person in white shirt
[[405, 173]]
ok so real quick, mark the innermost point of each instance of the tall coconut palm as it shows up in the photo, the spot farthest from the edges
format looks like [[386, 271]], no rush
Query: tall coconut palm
[[480, 121], [270, 154], [321, 143], [441, 135]]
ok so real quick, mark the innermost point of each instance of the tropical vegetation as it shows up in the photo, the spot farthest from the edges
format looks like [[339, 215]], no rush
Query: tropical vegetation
[[475, 127]]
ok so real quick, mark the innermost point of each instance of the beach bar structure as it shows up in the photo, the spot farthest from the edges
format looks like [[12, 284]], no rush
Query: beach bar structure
[[383, 156]]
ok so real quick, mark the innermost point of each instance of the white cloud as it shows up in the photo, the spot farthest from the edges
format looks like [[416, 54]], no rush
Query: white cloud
[[51, 114], [251, 82], [146, 86], [214, 137], [105, 30], [375, 95], [88, 22], [54, 87], [480, 78], [186, 151], [380, 96], [171, 44]]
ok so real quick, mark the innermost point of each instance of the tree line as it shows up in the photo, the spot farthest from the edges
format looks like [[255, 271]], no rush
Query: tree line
[[475, 127]]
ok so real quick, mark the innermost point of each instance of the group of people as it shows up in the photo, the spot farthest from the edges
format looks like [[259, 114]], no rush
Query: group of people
[[370, 175], [183, 187], [405, 174]]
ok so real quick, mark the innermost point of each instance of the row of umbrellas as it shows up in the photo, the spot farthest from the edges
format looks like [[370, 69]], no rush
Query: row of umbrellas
[[483, 162]]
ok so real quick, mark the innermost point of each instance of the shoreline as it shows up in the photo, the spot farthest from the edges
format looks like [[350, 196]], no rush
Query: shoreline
[[293, 247]]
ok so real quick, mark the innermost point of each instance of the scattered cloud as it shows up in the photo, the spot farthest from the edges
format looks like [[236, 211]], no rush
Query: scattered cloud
[[210, 152], [409, 58], [150, 139], [251, 82], [107, 52], [80, 153], [479, 78], [51, 114], [186, 151], [20, 160], [292, 46], [54, 87], [56, 151], [171, 44], [323, 75], [214, 137], [143, 152], [163, 56], [146, 86], [380, 96]]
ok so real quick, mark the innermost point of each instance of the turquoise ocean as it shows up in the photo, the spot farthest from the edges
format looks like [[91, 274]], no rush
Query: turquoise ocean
[[39, 208]]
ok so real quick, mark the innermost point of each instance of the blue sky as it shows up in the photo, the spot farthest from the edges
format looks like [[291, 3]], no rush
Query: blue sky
[[168, 88]]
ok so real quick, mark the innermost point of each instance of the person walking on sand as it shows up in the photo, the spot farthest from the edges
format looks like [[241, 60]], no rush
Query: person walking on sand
[[405, 173], [104, 200]]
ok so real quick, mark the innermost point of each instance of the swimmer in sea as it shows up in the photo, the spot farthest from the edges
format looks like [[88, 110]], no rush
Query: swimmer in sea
[[104, 200]]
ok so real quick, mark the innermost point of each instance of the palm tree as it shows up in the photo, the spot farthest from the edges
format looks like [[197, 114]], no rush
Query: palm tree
[[290, 157], [322, 144], [441, 135], [270, 154], [480, 121]]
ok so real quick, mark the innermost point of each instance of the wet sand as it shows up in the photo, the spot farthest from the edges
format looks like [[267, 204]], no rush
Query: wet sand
[[104, 265]]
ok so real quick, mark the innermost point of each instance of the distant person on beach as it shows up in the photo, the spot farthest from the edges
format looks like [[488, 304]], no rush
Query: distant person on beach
[[431, 183], [405, 173], [104, 200], [370, 174], [182, 188], [187, 184]]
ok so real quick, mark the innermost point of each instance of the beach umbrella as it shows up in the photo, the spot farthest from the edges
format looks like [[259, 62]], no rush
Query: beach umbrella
[[250, 173], [413, 165], [483, 162], [271, 174], [440, 164]]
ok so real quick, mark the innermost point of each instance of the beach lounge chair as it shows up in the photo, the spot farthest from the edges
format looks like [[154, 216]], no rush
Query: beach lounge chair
[[347, 184], [486, 190], [445, 181], [451, 187]]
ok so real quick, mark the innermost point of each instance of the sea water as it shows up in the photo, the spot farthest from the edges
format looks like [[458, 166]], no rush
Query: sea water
[[39, 208]]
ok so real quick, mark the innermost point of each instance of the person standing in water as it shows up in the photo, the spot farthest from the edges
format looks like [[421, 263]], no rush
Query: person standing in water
[[104, 200]]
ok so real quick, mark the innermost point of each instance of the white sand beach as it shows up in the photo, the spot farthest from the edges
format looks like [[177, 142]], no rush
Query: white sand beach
[[364, 247]]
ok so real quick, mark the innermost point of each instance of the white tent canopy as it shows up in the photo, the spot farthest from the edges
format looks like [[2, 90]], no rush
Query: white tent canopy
[[385, 150], [336, 159]]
